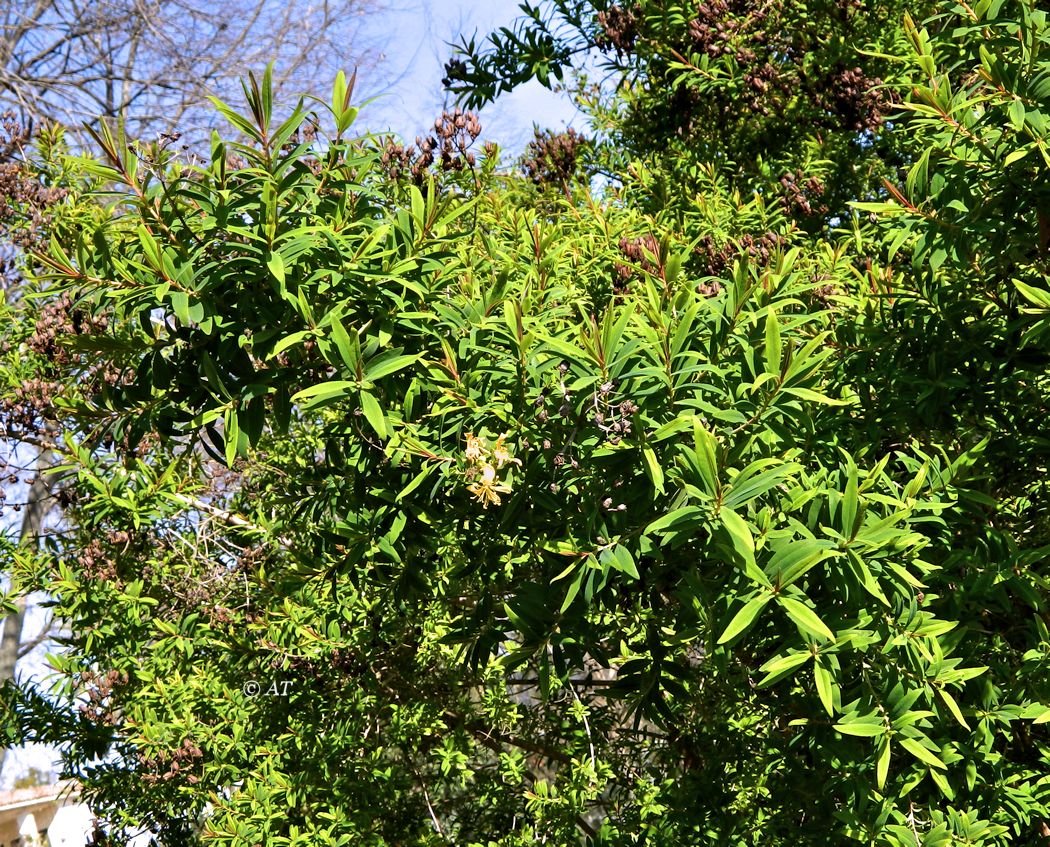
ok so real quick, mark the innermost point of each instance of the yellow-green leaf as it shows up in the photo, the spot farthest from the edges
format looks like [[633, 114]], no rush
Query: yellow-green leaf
[[805, 618], [922, 754], [373, 414], [865, 728], [953, 707], [744, 544], [744, 618], [882, 766], [276, 265], [653, 469], [773, 351], [822, 678]]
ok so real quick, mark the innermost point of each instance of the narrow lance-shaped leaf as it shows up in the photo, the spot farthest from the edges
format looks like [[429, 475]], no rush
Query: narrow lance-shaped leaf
[[744, 618], [773, 351], [805, 618], [653, 469], [849, 503], [781, 666], [953, 706], [863, 727], [824, 683], [882, 766], [373, 413], [744, 544], [923, 754], [706, 448]]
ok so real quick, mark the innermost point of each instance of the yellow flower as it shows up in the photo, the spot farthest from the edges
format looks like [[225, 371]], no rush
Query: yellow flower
[[488, 488], [501, 455], [476, 449]]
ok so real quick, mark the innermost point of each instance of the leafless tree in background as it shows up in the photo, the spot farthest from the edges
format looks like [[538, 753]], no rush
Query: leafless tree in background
[[156, 60]]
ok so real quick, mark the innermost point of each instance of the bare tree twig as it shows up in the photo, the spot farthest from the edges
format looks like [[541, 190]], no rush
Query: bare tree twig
[[158, 60]]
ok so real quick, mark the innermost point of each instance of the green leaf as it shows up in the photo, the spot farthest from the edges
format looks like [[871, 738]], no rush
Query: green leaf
[[672, 427], [573, 589], [237, 120], [620, 558], [653, 469], [706, 448], [349, 350], [1036, 296], [773, 351], [342, 91], [290, 341], [1017, 113], [373, 414], [814, 397], [822, 679], [276, 266], [953, 707], [385, 365], [180, 305], [1016, 155], [415, 482], [416, 198], [805, 618], [791, 562], [682, 518], [918, 178], [325, 390], [744, 544], [933, 628], [214, 379], [747, 487], [849, 503], [780, 666], [864, 576], [232, 434], [922, 754], [882, 766], [744, 618], [868, 727]]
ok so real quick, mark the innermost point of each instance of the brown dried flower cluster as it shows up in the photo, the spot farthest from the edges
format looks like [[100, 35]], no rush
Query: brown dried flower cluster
[[717, 22], [854, 98], [31, 405], [96, 563], [716, 259], [768, 58], [552, 157], [611, 414], [99, 688], [164, 767], [803, 197], [448, 146], [619, 28], [455, 71], [24, 198], [634, 250], [823, 295], [58, 320]]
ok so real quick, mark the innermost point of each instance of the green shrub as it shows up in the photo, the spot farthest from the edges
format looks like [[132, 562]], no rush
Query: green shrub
[[404, 510]]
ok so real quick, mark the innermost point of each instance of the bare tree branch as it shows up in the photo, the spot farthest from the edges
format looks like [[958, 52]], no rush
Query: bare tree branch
[[158, 60]]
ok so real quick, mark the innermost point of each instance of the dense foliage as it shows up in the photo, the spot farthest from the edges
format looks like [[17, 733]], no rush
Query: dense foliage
[[415, 500], [790, 98]]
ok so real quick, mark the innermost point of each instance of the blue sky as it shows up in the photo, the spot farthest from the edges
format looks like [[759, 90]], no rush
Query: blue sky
[[413, 35]]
